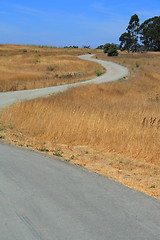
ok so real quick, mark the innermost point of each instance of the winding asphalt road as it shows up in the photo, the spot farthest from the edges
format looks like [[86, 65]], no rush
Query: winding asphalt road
[[114, 72], [45, 199]]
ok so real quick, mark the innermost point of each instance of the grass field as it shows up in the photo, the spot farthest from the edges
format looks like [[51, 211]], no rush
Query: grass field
[[28, 67], [112, 128]]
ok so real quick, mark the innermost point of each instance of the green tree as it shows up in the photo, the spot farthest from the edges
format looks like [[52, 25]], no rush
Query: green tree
[[111, 49], [125, 40], [133, 31], [106, 47], [150, 33], [129, 39], [100, 47], [86, 46]]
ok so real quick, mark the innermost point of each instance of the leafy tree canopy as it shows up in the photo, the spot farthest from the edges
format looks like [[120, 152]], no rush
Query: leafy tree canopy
[[129, 39], [106, 47], [150, 33], [100, 47], [111, 49], [125, 40]]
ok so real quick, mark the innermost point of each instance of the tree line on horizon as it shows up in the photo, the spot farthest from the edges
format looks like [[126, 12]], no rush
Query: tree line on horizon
[[138, 37]]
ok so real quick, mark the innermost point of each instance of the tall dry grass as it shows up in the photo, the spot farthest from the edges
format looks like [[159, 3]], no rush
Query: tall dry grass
[[121, 117], [28, 67]]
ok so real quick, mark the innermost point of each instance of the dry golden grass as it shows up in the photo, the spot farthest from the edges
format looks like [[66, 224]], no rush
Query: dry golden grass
[[119, 119], [28, 67]]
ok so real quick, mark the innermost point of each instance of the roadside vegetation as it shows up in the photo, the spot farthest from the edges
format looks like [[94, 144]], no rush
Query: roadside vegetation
[[29, 67], [112, 128]]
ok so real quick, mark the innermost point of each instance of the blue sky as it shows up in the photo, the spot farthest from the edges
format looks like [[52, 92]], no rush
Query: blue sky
[[61, 23]]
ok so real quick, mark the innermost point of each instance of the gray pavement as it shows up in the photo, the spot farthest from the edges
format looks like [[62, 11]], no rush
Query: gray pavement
[[45, 199]]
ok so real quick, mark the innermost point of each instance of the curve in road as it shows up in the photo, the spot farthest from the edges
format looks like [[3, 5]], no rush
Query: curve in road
[[114, 72], [45, 199]]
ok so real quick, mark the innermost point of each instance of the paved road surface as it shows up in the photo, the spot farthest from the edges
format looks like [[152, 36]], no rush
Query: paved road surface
[[114, 72], [45, 199]]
